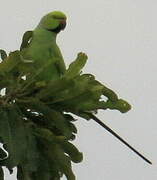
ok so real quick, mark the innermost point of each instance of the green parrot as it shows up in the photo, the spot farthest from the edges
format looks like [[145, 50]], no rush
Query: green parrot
[[39, 47]]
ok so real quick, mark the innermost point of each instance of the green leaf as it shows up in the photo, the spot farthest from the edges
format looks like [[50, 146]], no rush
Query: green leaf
[[75, 103], [18, 140], [44, 172], [76, 66], [54, 87], [1, 174], [56, 155], [120, 105], [31, 159], [64, 163], [52, 149], [72, 127], [67, 147], [45, 134], [72, 151], [79, 85], [10, 64], [85, 91], [70, 118], [22, 173], [112, 96], [12, 133], [53, 117], [3, 54]]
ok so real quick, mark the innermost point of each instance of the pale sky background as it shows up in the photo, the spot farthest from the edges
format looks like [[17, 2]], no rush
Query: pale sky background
[[120, 38]]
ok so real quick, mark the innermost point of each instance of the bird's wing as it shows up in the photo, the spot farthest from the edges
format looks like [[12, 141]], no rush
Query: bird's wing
[[26, 39]]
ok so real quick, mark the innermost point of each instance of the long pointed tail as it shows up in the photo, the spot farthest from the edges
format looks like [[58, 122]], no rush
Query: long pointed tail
[[117, 136]]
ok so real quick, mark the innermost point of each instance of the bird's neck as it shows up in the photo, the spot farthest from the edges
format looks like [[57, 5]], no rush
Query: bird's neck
[[43, 36]]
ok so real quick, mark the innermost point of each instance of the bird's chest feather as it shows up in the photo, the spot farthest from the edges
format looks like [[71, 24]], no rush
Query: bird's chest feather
[[42, 52]]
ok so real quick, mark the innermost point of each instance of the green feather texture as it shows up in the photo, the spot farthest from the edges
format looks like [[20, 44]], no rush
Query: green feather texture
[[40, 102]]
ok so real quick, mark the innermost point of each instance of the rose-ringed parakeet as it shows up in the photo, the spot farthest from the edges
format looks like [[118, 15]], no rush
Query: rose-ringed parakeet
[[40, 48]]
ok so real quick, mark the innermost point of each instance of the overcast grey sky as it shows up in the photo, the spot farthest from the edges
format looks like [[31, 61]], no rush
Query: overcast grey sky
[[120, 38]]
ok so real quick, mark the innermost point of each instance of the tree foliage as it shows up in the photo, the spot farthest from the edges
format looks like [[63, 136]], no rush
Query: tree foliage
[[36, 118]]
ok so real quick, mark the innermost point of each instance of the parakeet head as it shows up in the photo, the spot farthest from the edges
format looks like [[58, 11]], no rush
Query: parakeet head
[[54, 21]]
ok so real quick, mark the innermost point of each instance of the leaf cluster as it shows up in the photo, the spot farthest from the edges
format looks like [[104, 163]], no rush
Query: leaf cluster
[[36, 117]]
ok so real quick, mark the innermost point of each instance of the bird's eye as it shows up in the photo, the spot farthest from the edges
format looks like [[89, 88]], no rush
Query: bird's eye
[[57, 17]]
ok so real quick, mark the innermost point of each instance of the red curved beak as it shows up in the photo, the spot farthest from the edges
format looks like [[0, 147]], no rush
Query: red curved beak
[[63, 24]]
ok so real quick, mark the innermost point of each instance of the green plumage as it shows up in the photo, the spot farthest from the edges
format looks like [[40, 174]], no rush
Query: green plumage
[[40, 47]]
